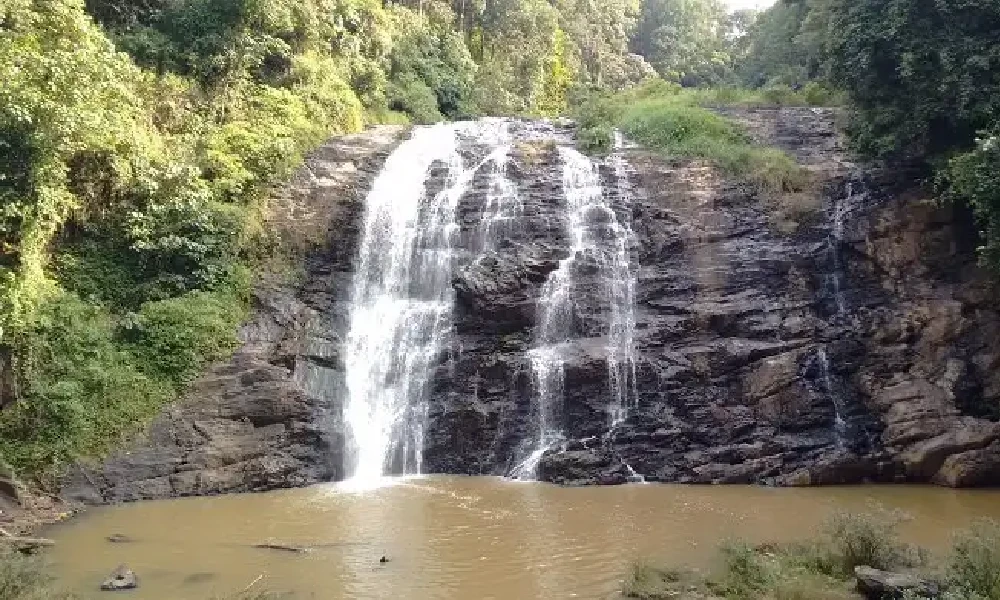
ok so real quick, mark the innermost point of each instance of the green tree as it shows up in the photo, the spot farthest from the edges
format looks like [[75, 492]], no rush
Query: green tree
[[685, 40], [924, 76], [598, 35], [787, 44]]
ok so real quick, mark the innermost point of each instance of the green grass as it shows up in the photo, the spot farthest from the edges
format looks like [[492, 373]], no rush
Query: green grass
[[817, 569], [663, 117]]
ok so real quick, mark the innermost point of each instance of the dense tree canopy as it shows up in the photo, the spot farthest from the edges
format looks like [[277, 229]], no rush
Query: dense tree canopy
[[685, 40]]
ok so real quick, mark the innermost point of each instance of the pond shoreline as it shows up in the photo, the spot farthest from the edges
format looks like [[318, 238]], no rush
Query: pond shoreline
[[465, 535]]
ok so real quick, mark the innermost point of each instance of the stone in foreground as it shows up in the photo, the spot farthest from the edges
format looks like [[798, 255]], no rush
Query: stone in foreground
[[122, 578], [877, 585]]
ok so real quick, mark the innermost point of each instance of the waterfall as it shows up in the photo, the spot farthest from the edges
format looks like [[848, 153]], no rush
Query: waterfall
[[622, 289], [503, 202], [621, 286], [839, 209], [841, 206], [402, 302], [839, 425], [596, 234]]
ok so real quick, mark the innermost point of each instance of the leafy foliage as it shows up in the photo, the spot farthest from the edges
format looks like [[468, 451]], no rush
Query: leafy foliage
[[974, 177], [685, 40], [786, 45], [974, 570], [662, 116], [923, 76]]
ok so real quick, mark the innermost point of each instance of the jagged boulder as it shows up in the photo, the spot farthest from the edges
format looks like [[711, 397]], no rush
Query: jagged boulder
[[883, 585], [121, 579]]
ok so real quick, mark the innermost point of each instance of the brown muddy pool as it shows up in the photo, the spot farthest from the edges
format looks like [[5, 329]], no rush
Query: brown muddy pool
[[461, 538]]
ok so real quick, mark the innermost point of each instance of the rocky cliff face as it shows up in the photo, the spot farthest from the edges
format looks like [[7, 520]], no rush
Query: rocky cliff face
[[829, 337], [269, 417]]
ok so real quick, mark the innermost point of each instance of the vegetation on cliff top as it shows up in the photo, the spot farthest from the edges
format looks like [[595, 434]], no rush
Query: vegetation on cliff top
[[922, 81], [666, 117]]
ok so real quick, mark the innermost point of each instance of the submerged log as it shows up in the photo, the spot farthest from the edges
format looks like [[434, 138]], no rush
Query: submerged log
[[281, 547]]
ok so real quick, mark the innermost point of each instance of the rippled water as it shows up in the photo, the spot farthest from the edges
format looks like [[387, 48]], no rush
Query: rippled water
[[461, 538]]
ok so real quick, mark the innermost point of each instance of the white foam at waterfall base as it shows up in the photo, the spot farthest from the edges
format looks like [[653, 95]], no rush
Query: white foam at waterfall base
[[401, 304]]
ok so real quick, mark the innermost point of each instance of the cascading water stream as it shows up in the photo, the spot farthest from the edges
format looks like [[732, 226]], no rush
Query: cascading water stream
[[839, 425], [622, 280], [840, 209], [401, 304], [622, 289], [503, 202], [596, 234]]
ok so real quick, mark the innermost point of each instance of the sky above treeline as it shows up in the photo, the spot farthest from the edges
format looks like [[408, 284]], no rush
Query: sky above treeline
[[738, 4]]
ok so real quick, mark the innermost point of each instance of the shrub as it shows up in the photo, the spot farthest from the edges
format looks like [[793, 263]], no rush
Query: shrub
[[176, 338], [781, 95], [975, 561], [861, 539], [596, 139], [83, 393], [415, 98], [745, 572], [25, 578], [974, 178]]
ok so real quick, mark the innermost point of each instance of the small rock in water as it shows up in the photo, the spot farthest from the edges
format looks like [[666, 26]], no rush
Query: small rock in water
[[122, 578], [119, 538], [383, 560]]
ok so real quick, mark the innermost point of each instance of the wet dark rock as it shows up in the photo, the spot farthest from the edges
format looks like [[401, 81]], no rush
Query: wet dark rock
[[9, 489], [269, 417], [883, 585], [122, 578], [859, 343]]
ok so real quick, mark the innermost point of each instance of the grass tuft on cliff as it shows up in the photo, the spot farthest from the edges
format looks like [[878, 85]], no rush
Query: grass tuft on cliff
[[663, 117]]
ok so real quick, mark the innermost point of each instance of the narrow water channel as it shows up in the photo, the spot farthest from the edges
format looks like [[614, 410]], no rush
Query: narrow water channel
[[454, 538]]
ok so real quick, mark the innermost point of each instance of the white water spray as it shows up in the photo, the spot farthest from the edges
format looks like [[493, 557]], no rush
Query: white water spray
[[401, 304], [596, 234], [839, 425]]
